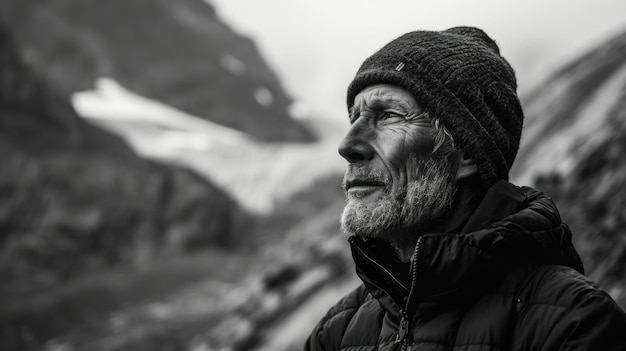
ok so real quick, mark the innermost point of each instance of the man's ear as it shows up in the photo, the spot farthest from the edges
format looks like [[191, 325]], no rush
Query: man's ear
[[466, 168]]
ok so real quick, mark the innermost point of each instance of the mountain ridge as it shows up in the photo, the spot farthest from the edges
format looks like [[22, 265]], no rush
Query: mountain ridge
[[76, 198], [178, 52]]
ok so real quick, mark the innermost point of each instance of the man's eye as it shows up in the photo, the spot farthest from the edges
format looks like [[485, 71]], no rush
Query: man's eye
[[391, 114]]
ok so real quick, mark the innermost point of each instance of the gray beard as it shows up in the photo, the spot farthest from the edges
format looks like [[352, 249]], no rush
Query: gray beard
[[400, 217]]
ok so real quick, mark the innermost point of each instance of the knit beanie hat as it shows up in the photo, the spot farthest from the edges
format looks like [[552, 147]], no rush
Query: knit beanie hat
[[459, 77]]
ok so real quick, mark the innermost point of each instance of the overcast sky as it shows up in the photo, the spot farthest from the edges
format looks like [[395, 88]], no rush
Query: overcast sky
[[315, 46]]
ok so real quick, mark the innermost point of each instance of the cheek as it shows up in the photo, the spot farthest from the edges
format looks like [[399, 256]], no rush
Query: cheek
[[420, 142], [410, 143], [403, 149]]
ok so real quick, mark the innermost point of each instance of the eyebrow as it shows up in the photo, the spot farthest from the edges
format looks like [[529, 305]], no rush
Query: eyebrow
[[381, 104]]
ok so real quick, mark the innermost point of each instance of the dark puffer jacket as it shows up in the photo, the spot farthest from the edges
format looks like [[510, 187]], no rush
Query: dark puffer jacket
[[511, 280]]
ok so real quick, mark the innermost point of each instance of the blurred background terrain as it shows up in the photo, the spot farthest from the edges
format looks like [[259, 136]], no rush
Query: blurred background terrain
[[169, 182]]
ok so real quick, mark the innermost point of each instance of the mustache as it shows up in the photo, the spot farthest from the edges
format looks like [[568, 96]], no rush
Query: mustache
[[364, 175]]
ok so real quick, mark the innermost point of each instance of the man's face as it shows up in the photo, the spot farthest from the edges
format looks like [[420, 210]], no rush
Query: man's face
[[393, 182]]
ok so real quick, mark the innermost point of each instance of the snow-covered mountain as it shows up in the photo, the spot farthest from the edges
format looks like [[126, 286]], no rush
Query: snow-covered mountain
[[75, 198], [256, 173], [178, 52]]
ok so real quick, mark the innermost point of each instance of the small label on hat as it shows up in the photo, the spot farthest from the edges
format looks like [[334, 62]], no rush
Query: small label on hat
[[399, 67]]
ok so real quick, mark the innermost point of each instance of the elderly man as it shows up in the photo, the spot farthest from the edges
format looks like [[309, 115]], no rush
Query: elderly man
[[452, 256]]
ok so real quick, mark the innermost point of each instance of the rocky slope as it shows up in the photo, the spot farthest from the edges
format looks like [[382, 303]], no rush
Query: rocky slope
[[75, 199], [177, 52], [573, 148]]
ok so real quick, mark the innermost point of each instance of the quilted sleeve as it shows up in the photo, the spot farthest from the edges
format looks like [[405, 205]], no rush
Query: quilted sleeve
[[328, 333], [595, 322], [569, 312]]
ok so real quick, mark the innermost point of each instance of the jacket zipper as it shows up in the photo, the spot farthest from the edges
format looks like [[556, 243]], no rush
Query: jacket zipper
[[379, 266], [403, 330]]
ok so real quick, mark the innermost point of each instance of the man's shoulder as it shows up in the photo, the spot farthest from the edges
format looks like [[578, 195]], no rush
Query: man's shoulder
[[332, 328], [349, 304], [560, 287], [559, 308]]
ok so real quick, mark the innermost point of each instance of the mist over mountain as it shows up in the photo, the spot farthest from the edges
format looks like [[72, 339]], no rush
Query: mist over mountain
[[256, 174], [177, 52]]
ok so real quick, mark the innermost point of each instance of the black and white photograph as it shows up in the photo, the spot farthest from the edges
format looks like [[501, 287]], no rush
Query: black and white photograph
[[285, 175]]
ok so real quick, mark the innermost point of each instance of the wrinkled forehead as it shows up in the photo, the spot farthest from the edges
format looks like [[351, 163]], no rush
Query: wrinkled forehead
[[382, 96]]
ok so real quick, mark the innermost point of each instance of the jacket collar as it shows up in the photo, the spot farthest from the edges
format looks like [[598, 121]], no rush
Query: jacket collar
[[510, 226]]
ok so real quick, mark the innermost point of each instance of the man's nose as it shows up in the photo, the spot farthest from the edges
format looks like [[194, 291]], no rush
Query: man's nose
[[355, 146]]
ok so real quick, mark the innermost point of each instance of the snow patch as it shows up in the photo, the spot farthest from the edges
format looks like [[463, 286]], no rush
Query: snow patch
[[256, 174], [232, 64], [263, 96]]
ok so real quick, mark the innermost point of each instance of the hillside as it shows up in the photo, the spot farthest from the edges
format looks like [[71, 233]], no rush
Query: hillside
[[177, 52], [573, 148], [256, 174], [76, 201]]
